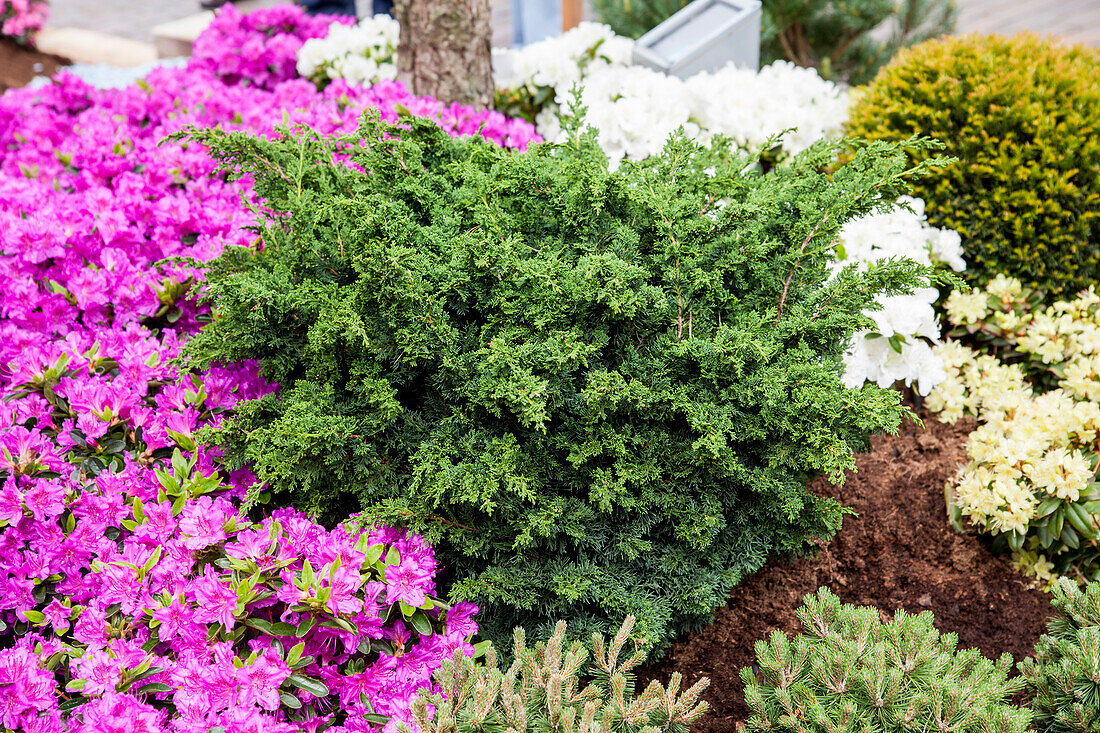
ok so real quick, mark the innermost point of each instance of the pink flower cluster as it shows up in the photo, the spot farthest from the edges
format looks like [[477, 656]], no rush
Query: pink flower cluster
[[260, 48], [134, 595], [20, 20]]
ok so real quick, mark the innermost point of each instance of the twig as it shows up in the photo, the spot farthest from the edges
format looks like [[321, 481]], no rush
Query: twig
[[441, 519], [787, 282]]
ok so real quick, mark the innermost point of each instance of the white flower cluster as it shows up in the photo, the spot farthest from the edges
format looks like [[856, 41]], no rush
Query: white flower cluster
[[364, 53], [751, 106], [622, 105], [1033, 456], [898, 348], [560, 63], [635, 109]]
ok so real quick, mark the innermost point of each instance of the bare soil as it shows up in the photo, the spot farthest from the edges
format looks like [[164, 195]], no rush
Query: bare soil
[[899, 552], [18, 65]]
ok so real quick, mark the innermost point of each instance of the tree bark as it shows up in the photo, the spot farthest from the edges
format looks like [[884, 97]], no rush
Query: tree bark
[[445, 50]]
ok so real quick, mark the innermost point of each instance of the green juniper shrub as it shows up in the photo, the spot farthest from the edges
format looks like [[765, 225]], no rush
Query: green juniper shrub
[[596, 393], [1065, 673], [542, 691], [850, 671], [1022, 114]]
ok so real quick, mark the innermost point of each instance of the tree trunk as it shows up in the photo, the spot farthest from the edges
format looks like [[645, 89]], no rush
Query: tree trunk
[[445, 51]]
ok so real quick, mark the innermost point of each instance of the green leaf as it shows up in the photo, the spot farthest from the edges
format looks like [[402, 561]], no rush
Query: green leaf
[[154, 687], [373, 553], [260, 625], [421, 623], [1080, 520], [305, 626], [311, 685], [1057, 521], [1047, 506]]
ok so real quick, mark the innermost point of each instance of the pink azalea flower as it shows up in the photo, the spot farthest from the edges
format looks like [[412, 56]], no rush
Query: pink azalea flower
[[172, 618], [407, 581], [94, 207], [216, 601], [11, 503]]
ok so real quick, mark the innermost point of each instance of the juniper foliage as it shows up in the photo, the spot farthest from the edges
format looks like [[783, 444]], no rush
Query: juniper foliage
[[850, 672], [1065, 673], [596, 393], [542, 691]]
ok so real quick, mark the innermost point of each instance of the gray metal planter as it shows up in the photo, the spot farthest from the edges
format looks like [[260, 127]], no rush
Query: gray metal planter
[[704, 36]]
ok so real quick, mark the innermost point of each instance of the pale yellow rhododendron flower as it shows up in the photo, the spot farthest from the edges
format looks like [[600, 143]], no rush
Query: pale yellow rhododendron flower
[[1029, 447], [1061, 473], [1004, 289], [966, 308], [1081, 378], [1036, 565]]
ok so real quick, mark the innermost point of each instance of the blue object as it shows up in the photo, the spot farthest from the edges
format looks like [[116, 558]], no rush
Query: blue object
[[535, 20], [329, 7], [345, 7]]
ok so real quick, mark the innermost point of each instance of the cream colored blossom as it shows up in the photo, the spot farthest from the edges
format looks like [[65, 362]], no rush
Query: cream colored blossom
[[967, 308], [1004, 289]]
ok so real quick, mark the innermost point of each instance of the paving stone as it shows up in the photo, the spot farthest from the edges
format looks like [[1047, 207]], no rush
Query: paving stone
[[93, 47], [1075, 20]]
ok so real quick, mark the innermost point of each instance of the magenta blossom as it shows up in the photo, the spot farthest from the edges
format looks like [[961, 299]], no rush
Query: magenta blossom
[[124, 549]]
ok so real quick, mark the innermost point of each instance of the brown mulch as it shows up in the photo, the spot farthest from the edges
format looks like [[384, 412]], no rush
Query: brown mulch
[[18, 65], [898, 553]]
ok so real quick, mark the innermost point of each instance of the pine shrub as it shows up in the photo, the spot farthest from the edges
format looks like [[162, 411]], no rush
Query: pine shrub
[[542, 691], [849, 39], [596, 393], [1023, 116], [635, 18], [1065, 673], [850, 671], [835, 37]]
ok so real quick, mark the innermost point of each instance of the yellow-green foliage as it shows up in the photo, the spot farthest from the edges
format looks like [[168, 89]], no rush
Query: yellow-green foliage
[[1022, 114], [544, 691], [1064, 676], [850, 672]]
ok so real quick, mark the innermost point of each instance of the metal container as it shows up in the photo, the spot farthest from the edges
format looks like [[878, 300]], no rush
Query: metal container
[[703, 36]]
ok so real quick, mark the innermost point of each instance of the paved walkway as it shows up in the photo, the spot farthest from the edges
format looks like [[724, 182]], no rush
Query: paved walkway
[[135, 18], [1076, 20]]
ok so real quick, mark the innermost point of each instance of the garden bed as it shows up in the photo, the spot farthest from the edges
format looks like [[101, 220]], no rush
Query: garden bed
[[18, 65], [899, 552]]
